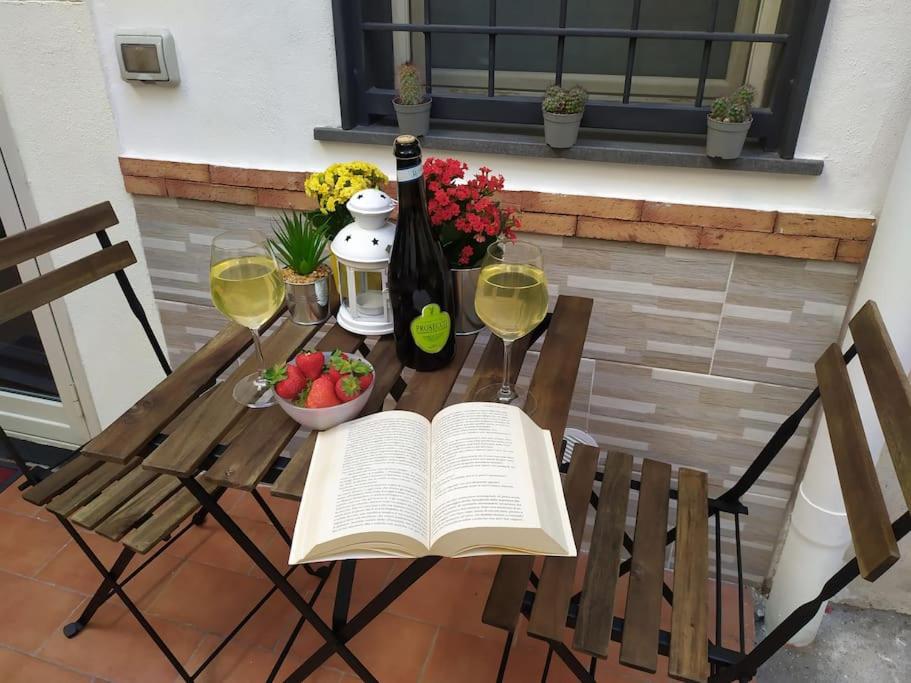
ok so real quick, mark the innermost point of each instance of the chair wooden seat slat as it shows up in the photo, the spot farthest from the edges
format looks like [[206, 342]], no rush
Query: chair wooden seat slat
[[889, 387], [193, 439], [868, 519], [552, 385], [133, 430], [555, 588], [643, 601], [135, 510], [596, 608], [114, 496], [164, 520], [56, 233], [688, 659], [435, 389], [61, 281], [57, 482], [89, 487]]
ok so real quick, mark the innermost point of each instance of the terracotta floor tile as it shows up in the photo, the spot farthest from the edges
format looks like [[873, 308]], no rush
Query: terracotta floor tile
[[244, 505], [459, 657], [526, 663], [209, 598], [19, 668], [220, 550], [72, 569], [392, 648], [245, 662], [11, 501], [27, 544], [32, 611], [116, 648]]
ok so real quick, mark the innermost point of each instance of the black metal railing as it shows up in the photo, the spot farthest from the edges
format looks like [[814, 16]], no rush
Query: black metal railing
[[776, 125]]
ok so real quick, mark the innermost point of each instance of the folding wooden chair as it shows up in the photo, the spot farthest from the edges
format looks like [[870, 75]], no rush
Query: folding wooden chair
[[119, 501], [696, 654]]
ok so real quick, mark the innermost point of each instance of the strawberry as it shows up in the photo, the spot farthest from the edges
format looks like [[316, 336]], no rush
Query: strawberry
[[347, 388], [333, 374], [321, 394], [301, 399], [359, 367], [310, 363], [339, 361], [294, 371], [286, 383], [365, 381]]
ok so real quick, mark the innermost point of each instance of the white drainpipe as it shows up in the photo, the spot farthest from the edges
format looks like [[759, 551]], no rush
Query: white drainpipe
[[815, 544]]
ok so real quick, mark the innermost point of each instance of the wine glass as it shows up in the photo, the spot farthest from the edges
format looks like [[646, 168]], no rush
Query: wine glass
[[247, 287], [511, 299]]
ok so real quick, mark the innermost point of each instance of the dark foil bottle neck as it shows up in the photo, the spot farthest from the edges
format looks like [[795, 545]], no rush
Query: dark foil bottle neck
[[407, 151]]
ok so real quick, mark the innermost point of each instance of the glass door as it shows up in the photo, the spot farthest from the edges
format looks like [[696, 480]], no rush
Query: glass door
[[38, 399]]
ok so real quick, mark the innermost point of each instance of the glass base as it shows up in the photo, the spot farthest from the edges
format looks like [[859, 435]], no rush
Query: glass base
[[254, 392], [492, 393]]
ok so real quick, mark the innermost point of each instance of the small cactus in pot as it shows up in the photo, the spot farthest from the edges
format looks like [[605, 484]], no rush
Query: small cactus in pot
[[728, 123], [412, 104], [562, 109]]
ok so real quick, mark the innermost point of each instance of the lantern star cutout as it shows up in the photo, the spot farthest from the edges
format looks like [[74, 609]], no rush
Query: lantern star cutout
[[375, 241]]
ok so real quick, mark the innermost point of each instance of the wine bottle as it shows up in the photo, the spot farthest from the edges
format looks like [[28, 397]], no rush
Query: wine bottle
[[420, 285]]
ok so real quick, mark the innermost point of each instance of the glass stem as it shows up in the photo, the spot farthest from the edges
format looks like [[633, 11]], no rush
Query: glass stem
[[259, 349], [506, 393]]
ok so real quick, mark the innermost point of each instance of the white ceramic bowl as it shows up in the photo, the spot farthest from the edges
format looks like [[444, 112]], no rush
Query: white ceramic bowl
[[324, 418]]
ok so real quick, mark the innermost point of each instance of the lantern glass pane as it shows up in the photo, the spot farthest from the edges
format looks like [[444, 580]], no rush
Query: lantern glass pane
[[369, 297]]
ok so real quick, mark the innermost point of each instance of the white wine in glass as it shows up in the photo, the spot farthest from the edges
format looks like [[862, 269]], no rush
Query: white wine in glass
[[247, 287], [511, 299]]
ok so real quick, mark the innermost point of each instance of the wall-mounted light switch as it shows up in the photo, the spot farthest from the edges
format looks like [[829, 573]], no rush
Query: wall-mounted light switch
[[147, 57]]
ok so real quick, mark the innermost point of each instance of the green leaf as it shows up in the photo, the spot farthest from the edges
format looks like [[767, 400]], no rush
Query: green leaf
[[299, 242]]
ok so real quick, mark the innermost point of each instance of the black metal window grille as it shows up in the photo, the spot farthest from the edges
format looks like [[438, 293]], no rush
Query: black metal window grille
[[366, 96]]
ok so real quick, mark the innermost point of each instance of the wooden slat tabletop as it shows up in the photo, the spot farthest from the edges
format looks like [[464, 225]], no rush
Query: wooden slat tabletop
[[552, 385], [89, 486], [555, 588], [596, 609], [165, 518], [138, 507], [192, 441], [67, 475], [646, 578]]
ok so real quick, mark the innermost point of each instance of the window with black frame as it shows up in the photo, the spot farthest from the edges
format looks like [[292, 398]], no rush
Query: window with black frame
[[649, 65]]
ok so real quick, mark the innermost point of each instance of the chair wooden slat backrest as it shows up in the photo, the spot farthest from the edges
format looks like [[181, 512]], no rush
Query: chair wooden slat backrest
[[868, 519], [48, 236], [889, 387]]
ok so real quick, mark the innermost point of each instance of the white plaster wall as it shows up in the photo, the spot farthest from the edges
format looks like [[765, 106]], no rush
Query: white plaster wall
[[54, 93], [257, 77]]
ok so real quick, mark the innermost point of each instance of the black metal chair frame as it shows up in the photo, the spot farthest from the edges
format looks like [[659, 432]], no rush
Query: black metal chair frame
[[726, 665], [113, 580]]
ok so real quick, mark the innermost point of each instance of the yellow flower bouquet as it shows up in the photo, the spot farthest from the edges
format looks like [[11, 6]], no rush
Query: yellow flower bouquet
[[335, 186]]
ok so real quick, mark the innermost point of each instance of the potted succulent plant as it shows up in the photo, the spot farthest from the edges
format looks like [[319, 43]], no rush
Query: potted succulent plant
[[412, 104], [299, 243], [563, 109], [729, 122]]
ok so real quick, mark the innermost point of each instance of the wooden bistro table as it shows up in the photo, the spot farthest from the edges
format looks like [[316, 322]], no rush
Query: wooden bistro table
[[195, 442]]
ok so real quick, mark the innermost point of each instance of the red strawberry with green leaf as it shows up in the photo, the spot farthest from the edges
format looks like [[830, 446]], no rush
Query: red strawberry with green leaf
[[359, 367], [348, 388], [301, 399], [321, 394], [286, 384], [310, 363], [365, 381], [332, 374], [339, 361]]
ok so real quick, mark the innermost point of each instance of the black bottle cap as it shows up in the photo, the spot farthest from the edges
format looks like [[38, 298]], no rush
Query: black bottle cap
[[406, 147]]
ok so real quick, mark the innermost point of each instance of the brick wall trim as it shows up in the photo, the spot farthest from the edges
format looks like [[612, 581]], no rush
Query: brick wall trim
[[717, 228]]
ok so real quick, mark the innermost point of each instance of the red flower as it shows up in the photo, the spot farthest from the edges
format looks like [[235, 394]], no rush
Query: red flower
[[466, 254]]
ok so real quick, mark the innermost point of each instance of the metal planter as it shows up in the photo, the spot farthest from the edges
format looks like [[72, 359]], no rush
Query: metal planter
[[311, 303], [464, 285]]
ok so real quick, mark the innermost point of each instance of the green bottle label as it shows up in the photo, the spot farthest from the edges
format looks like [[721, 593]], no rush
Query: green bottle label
[[430, 330]]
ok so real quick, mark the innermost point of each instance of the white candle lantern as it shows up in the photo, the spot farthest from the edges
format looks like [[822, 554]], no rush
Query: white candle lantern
[[361, 250]]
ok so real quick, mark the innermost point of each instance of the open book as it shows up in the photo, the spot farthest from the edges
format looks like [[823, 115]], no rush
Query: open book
[[480, 479]]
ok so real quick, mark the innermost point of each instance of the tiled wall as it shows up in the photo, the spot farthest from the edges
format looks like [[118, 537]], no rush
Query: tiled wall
[[693, 356]]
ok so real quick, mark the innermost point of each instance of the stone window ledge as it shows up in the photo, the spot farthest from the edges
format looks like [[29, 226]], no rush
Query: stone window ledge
[[687, 151], [714, 228]]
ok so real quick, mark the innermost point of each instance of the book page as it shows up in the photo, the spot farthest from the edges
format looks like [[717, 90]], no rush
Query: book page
[[368, 477], [480, 472]]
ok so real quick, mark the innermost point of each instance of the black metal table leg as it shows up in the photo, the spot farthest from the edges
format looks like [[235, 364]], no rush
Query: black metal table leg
[[333, 642], [101, 596], [343, 595]]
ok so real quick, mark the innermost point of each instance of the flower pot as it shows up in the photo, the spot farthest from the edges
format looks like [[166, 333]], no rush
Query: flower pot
[[725, 140], [464, 284], [413, 118], [561, 130], [310, 302]]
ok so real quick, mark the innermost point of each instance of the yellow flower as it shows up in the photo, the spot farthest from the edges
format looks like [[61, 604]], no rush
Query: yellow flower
[[334, 186]]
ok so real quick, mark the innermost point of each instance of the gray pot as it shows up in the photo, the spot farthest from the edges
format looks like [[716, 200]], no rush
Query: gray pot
[[561, 130], [313, 302], [413, 118], [725, 140], [464, 284]]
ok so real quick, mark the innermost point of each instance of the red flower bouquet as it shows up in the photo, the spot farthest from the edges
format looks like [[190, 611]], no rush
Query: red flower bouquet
[[464, 212]]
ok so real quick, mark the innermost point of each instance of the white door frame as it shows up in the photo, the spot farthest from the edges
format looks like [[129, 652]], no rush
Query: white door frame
[[72, 420]]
